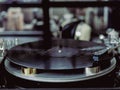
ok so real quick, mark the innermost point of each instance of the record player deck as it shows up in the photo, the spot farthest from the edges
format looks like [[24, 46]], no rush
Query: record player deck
[[61, 61]]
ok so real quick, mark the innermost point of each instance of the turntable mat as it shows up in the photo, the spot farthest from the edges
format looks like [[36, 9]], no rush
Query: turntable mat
[[57, 54]]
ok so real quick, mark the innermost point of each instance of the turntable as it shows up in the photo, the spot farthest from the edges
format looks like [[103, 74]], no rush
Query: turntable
[[61, 63]]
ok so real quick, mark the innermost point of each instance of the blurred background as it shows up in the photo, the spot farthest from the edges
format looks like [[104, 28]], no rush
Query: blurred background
[[33, 18]]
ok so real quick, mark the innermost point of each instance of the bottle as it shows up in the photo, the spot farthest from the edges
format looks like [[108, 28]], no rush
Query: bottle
[[15, 19], [83, 30], [68, 31]]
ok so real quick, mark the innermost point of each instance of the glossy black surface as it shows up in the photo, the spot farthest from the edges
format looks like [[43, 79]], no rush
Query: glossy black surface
[[57, 54]]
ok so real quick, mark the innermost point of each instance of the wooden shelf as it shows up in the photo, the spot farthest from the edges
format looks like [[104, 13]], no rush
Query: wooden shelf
[[65, 4], [85, 4], [22, 5], [21, 33]]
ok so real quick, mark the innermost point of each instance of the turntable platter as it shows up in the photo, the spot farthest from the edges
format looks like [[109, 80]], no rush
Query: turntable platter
[[58, 54]]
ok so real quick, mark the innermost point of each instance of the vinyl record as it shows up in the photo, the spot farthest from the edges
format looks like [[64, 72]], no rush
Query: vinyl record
[[57, 54]]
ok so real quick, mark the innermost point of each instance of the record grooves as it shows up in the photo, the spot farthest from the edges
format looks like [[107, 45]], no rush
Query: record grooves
[[71, 55]]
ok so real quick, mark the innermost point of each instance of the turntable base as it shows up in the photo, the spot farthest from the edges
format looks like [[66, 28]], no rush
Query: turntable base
[[60, 77]]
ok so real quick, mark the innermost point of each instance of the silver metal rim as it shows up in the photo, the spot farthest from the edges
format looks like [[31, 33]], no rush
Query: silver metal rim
[[46, 77]]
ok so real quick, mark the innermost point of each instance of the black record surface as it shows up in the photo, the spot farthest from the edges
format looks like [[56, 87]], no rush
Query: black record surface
[[57, 54]]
